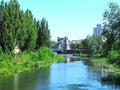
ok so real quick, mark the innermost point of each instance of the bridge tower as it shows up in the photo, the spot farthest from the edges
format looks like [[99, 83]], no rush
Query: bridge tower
[[67, 43], [63, 43]]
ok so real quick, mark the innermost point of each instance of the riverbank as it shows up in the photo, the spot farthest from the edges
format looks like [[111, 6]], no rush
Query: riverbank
[[11, 64], [100, 63]]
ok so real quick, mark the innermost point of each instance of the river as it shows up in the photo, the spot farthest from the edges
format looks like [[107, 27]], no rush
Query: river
[[74, 74]]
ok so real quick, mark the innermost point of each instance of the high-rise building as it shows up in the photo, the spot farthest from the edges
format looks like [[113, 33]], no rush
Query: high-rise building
[[98, 29]]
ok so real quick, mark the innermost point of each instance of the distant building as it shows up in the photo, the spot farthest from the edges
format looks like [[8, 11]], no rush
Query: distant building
[[76, 41], [98, 29], [63, 43]]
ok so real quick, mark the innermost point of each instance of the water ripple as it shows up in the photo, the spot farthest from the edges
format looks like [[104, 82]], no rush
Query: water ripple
[[74, 87]]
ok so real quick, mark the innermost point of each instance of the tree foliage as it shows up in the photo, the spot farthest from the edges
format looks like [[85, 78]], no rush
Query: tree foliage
[[18, 27], [77, 46], [44, 38], [44, 53], [111, 28], [92, 44], [111, 47]]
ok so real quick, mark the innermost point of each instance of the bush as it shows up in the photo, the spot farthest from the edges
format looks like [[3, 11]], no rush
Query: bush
[[33, 56], [44, 53], [44, 57], [114, 56]]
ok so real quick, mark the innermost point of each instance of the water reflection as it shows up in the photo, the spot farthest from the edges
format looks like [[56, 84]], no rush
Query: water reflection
[[16, 81], [43, 79], [75, 87], [106, 78], [111, 80], [7, 83], [31, 80], [70, 58]]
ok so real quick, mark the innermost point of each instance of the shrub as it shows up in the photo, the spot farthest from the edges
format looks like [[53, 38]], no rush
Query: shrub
[[44, 53], [114, 56], [33, 56]]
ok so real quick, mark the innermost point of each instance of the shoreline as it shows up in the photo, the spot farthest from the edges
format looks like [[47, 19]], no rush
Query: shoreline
[[102, 63], [20, 64]]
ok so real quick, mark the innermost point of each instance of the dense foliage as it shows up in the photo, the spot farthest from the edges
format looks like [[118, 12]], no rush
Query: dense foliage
[[92, 44], [77, 46], [44, 57], [111, 32], [18, 27], [43, 32], [44, 53], [111, 28]]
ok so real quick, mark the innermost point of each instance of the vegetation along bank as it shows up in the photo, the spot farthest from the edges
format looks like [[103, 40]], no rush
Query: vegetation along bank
[[42, 58], [24, 41]]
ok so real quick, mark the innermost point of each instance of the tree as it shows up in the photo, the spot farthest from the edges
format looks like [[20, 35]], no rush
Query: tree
[[27, 35], [92, 44], [8, 18], [111, 28], [16, 27], [19, 28], [44, 38], [77, 46], [54, 44]]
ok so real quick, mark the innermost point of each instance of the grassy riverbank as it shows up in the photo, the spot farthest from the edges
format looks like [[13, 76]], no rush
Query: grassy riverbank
[[11, 64], [101, 63]]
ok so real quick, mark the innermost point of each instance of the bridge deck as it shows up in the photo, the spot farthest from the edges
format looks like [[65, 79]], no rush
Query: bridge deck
[[71, 51]]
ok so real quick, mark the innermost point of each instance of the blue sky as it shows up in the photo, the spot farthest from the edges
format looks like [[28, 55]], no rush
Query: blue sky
[[72, 18]]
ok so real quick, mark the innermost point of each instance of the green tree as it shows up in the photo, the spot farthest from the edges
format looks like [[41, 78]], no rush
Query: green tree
[[73, 46], [7, 29], [111, 32], [20, 28], [44, 37], [54, 44], [2, 9], [92, 44], [27, 35], [16, 27], [111, 28], [77, 46]]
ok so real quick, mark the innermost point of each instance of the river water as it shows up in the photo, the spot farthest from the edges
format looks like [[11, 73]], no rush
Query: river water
[[74, 74]]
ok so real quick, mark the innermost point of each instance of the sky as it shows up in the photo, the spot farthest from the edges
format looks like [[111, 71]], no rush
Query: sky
[[72, 18]]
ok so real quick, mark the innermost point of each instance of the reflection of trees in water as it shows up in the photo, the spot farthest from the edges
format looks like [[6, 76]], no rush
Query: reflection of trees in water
[[29, 80], [7, 83], [34, 79], [88, 62], [22, 81], [111, 80], [26, 80], [106, 78], [101, 75]]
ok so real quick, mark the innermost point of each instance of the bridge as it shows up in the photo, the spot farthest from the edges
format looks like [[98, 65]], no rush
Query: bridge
[[59, 51], [63, 46], [70, 51]]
